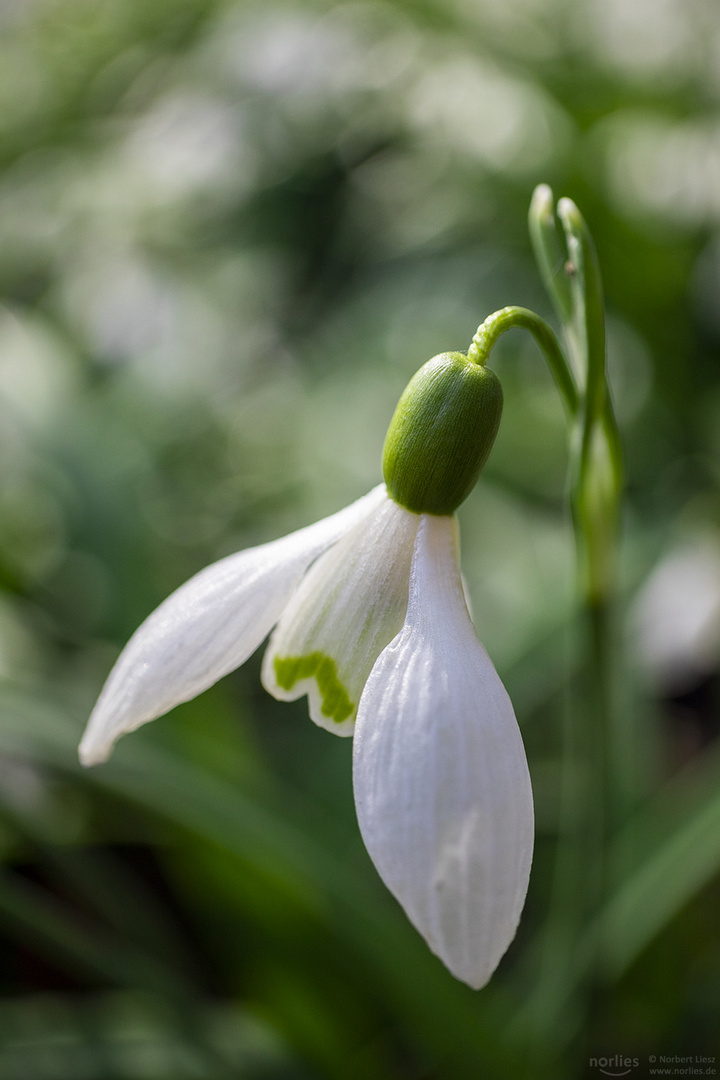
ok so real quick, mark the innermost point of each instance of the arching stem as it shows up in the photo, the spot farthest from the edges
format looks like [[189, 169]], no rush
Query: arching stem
[[509, 317]]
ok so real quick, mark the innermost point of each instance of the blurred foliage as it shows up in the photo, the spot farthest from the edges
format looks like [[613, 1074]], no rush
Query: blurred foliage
[[229, 234]]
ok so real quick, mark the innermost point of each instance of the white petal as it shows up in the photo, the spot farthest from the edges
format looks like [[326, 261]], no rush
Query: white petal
[[207, 628], [441, 780], [348, 607]]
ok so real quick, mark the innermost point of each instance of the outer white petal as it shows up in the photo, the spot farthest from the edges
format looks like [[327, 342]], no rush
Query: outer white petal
[[207, 628], [350, 604], [441, 780]]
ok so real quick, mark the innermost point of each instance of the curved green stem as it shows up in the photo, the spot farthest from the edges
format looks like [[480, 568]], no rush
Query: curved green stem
[[510, 317]]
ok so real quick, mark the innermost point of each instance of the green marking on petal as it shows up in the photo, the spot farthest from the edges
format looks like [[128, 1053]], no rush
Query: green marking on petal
[[336, 703]]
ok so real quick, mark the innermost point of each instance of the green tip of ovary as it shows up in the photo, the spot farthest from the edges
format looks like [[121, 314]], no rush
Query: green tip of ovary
[[290, 669]]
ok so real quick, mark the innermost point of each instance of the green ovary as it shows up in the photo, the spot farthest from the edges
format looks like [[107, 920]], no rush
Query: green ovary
[[336, 703]]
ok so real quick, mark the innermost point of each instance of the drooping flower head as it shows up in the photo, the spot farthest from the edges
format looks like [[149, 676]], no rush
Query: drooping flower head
[[370, 622]]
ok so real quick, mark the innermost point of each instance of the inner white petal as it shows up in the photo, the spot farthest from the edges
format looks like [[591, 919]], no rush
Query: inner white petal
[[349, 605]]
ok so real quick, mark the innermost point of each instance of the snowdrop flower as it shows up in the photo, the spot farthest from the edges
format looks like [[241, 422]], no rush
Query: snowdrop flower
[[370, 622]]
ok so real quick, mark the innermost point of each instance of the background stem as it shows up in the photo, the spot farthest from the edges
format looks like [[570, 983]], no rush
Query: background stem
[[570, 981]]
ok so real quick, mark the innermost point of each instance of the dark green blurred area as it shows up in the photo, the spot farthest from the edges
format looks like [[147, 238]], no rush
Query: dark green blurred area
[[229, 234]]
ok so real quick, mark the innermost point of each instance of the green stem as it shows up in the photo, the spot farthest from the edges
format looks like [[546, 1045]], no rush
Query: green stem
[[569, 266], [510, 317]]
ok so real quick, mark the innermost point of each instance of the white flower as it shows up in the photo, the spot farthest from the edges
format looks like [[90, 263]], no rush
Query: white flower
[[371, 623]]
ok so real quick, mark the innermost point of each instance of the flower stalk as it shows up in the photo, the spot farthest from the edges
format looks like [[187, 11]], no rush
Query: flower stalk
[[506, 319], [568, 264]]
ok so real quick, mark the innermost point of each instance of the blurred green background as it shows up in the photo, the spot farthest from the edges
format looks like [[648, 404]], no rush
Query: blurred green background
[[229, 234]]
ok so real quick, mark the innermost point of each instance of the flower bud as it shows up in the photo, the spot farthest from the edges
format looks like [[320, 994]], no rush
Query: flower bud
[[441, 434]]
